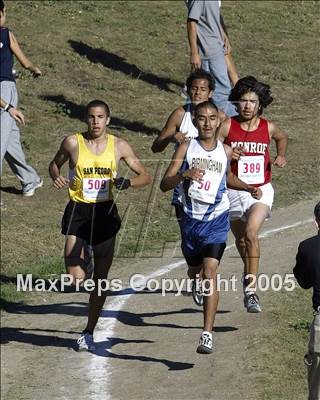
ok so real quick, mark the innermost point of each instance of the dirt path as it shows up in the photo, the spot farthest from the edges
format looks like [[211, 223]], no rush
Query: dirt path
[[147, 342]]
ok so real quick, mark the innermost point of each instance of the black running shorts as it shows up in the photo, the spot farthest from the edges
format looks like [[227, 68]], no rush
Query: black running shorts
[[212, 250], [94, 222]]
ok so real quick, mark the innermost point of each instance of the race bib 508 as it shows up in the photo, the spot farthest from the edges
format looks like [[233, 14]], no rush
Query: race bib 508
[[96, 188]]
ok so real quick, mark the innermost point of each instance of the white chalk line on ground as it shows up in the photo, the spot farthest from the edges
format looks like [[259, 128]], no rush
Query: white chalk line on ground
[[98, 367]]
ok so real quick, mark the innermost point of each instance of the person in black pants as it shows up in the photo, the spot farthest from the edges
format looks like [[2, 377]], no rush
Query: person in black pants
[[307, 273]]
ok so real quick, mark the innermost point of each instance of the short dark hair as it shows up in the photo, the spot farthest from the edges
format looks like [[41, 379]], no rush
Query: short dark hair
[[204, 104], [317, 212], [97, 103], [251, 84], [200, 74], [2, 6]]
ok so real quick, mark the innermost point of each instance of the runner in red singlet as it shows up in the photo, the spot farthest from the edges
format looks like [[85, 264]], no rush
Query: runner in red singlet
[[250, 136]]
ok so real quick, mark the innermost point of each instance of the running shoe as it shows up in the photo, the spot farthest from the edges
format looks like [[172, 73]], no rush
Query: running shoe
[[205, 343], [197, 292], [252, 303], [85, 342], [29, 189]]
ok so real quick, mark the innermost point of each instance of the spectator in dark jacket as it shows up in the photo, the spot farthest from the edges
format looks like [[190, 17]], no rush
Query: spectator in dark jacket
[[307, 273]]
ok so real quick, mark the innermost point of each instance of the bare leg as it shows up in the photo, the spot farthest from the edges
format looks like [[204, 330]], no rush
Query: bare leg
[[247, 242], [256, 217], [103, 256], [194, 271], [238, 229], [74, 257], [211, 299], [210, 266]]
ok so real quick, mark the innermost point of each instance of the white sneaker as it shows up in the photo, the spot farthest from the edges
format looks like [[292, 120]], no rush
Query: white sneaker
[[205, 343], [85, 342], [29, 189]]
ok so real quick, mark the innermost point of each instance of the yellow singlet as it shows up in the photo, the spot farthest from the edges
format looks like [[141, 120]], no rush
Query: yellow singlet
[[91, 180]]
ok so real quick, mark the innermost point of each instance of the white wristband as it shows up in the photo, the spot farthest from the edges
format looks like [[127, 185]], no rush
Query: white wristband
[[7, 107]]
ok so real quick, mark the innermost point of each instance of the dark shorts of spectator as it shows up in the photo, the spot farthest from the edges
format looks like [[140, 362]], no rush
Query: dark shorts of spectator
[[95, 222]]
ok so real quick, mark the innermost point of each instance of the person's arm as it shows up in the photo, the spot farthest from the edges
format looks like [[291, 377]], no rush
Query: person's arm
[[24, 61], [195, 10], [281, 140], [227, 45], [223, 132], [168, 133], [172, 177], [3, 104], [300, 271], [195, 59], [15, 113], [222, 116], [223, 129], [223, 25], [67, 146], [233, 182], [232, 70], [126, 153]]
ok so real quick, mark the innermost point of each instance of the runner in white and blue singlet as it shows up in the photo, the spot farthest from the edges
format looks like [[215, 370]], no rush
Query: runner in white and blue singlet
[[201, 166]]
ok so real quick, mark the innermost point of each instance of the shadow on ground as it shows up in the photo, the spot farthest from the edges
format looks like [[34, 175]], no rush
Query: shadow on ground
[[102, 349], [77, 111], [11, 190], [117, 63]]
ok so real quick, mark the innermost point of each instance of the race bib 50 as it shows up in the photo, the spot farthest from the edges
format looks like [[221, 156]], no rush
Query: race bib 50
[[206, 190]]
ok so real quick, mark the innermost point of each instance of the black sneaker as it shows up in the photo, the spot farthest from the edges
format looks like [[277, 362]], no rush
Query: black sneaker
[[197, 292], [252, 303]]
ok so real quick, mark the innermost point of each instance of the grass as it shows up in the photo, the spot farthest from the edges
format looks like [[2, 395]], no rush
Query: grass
[[134, 55], [278, 357]]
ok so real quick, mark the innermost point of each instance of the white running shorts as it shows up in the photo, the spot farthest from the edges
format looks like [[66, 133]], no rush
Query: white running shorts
[[241, 201]]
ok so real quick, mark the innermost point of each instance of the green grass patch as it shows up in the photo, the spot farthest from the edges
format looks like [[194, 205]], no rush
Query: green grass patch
[[279, 350], [43, 268]]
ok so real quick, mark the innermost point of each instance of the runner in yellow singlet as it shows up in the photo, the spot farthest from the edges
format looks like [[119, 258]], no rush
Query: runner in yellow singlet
[[91, 216]]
